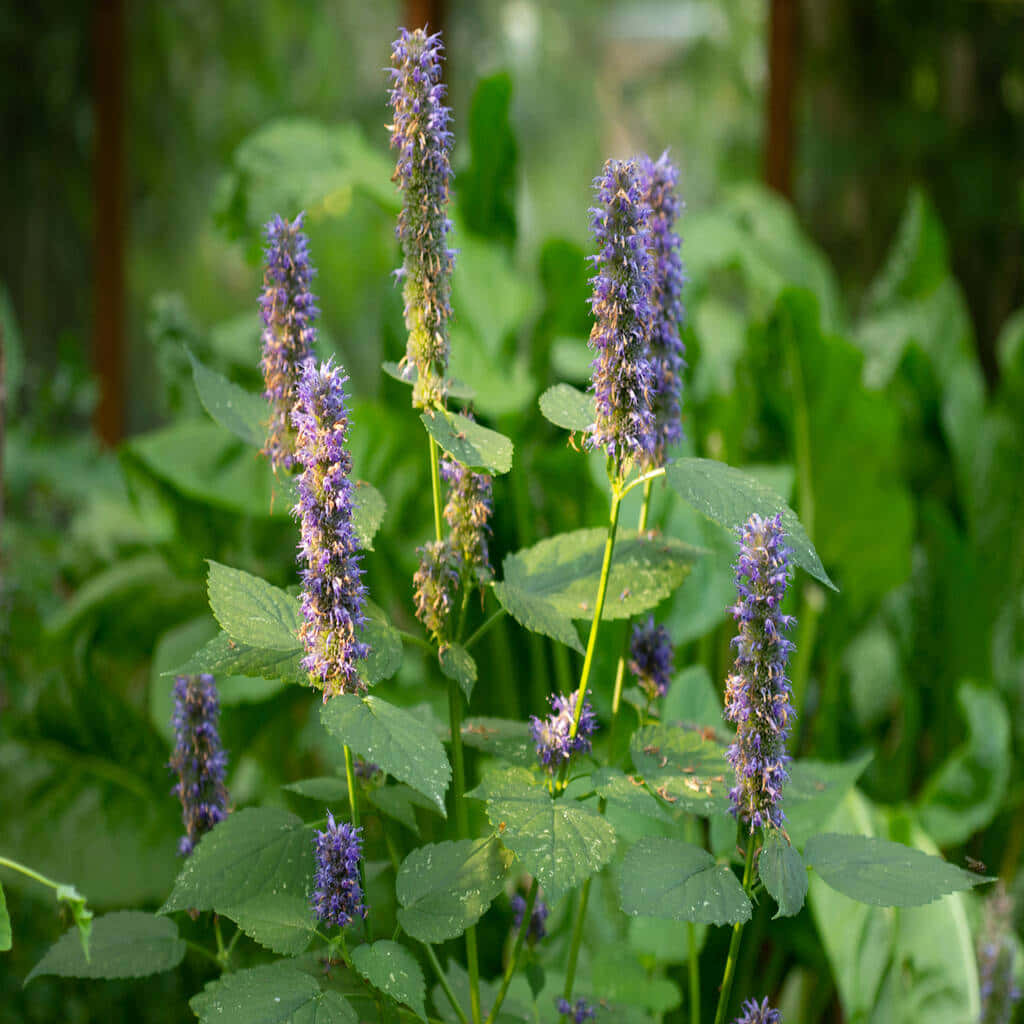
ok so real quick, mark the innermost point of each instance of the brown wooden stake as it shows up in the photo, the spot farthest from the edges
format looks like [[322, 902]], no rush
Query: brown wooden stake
[[424, 13], [782, 68]]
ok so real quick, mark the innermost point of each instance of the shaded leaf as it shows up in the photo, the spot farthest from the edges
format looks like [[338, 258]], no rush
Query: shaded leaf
[[458, 664], [279, 921], [783, 873], [537, 614], [368, 509], [391, 968], [241, 412], [568, 407], [814, 790], [470, 444], [324, 788], [399, 802], [627, 793], [251, 610], [5, 924], [684, 766], [224, 656], [502, 737]]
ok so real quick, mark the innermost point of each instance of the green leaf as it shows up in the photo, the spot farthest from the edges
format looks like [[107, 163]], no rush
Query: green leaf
[[391, 968], [628, 793], [399, 802], [125, 944], [368, 509], [323, 788], [385, 657], [253, 611], [668, 878], [402, 744], [685, 767], [256, 852], [561, 842], [470, 444], [243, 413], [458, 664], [279, 921], [884, 873], [443, 888], [505, 738], [537, 614], [224, 656], [80, 913], [783, 874], [272, 994], [568, 407], [692, 699], [5, 924], [814, 790], [728, 496]]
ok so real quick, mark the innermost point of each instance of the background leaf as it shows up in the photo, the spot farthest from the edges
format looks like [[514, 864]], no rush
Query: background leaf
[[568, 407], [469, 443], [782, 871], [238, 411]]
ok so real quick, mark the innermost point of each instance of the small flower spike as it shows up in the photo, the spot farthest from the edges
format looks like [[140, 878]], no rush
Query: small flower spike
[[435, 585], [623, 375], [333, 593], [758, 1013], [537, 928], [551, 734], [577, 1013], [999, 991], [420, 133], [757, 693], [198, 759], [468, 512], [650, 658], [337, 894], [289, 309]]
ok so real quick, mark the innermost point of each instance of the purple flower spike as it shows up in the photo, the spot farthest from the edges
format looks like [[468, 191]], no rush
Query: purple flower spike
[[758, 1013], [332, 588], [198, 759], [289, 309], [999, 991], [537, 928], [435, 585], [338, 895], [757, 694], [552, 734], [577, 1013], [623, 375], [468, 512], [420, 134], [666, 347], [650, 658]]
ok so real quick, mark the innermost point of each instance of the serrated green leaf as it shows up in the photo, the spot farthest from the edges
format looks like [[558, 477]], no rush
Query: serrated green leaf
[[627, 792], [5, 924], [560, 842], [783, 873], [224, 656], [241, 412], [391, 968], [568, 407], [883, 873], [407, 375], [125, 944], [253, 852], [443, 888], [272, 994], [280, 921], [385, 657], [502, 737], [668, 878], [470, 444], [686, 767], [814, 790], [458, 664], [537, 614], [251, 610], [728, 496], [401, 744], [368, 509]]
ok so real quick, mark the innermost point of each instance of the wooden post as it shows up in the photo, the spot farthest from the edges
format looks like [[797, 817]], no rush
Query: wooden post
[[782, 66], [424, 13]]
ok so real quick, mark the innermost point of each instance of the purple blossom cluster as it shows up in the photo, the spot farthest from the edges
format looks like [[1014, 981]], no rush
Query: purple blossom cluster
[[623, 376], [199, 759], [998, 987], [577, 1012], [757, 697], [553, 735], [332, 588], [650, 658], [666, 347], [338, 894], [537, 928], [289, 309], [468, 512], [420, 133], [758, 1013], [435, 584]]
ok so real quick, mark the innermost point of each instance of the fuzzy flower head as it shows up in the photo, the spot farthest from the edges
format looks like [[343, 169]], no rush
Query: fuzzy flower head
[[553, 735], [758, 1013], [419, 132], [468, 512], [289, 309], [435, 585], [666, 347], [537, 928], [199, 760], [578, 1012], [337, 894], [757, 694], [999, 991], [650, 658], [623, 375], [332, 588]]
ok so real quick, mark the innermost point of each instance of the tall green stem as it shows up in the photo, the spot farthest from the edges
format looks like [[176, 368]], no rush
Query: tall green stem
[[577, 939], [734, 943], [435, 483], [510, 970], [693, 970], [353, 802], [447, 989]]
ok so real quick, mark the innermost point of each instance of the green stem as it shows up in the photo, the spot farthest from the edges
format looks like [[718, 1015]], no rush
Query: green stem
[[734, 943], [435, 482], [577, 939], [517, 950], [693, 969], [222, 954], [482, 630], [202, 951], [29, 873], [644, 479], [445, 987], [353, 802], [416, 641]]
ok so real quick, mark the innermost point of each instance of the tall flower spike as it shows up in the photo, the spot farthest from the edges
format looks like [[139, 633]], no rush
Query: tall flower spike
[[288, 309], [757, 695], [650, 658], [337, 894], [666, 349], [420, 134], [198, 759], [758, 1013], [467, 513], [435, 584], [551, 735], [999, 991], [623, 375], [332, 588]]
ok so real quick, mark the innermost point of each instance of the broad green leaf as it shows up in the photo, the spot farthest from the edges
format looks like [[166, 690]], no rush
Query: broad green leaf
[[399, 742], [628, 793], [251, 610], [224, 656], [686, 767], [693, 700], [273, 994], [125, 944], [400, 801], [728, 496], [241, 412], [324, 788], [458, 664], [668, 878], [568, 407], [5, 923], [253, 852], [814, 790], [470, 444], [391, 968], [537, 614], [616, 979], [368, 508], [407, 375], [783, 873], [884, 873], [560, 842], [279, 921], [385, 657], [443, 888], [502, 737]]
